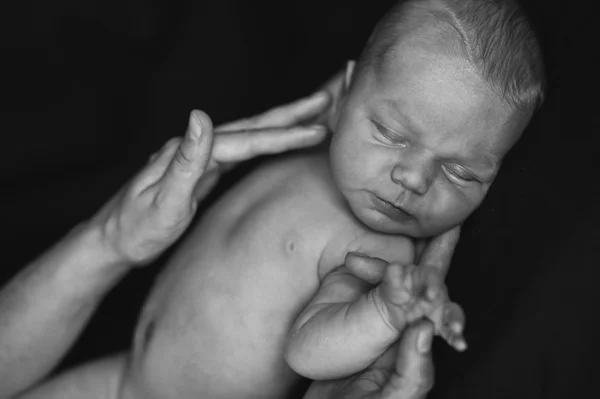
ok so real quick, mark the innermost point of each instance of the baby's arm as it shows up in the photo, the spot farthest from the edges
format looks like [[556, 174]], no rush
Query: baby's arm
[[350, 322], [340, 331]]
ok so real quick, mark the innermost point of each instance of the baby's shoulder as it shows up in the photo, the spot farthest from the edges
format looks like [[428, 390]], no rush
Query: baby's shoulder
[[285, 193], [301, 178]]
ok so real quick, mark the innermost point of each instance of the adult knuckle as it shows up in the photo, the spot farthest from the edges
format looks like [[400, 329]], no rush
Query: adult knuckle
[[181, 157]]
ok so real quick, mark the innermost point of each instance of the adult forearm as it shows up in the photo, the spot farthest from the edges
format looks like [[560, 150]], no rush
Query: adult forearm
[[44, 308], [337, 340]]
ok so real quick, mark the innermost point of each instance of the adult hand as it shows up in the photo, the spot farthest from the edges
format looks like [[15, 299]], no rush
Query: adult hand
[[404, 371], [157, 205]]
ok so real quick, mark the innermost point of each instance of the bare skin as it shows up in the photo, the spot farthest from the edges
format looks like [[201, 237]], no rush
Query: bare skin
[[290, 216], [217, 323], [43, 308]]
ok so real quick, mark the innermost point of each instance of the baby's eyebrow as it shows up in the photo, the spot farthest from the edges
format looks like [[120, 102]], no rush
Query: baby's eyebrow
[[487, 161], [484, 164], [394, 109]]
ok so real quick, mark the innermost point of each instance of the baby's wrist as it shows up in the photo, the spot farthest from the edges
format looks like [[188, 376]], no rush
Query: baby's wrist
[[382, 308]]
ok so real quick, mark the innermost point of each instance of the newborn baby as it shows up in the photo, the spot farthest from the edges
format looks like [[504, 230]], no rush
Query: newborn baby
[[261, 291]]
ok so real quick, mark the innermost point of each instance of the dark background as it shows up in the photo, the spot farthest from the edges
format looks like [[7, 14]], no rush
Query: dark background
[[91, 88]]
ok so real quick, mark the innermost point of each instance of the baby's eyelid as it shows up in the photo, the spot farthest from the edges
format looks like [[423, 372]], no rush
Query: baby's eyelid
[[465, 176], [390, 135]]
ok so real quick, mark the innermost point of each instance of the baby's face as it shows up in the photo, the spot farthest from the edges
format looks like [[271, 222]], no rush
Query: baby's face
[[417, 145]]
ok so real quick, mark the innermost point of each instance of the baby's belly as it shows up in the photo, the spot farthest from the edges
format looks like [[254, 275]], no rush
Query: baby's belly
[[216, 323]]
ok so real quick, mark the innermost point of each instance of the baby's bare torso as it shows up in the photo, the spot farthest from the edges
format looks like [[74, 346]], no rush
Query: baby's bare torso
[[216, 322]]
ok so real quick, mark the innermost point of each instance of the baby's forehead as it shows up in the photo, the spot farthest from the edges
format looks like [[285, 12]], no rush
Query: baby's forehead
[[446, 114]]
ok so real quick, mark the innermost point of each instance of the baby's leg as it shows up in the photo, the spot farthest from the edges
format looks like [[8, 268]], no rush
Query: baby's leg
[[413, 292]]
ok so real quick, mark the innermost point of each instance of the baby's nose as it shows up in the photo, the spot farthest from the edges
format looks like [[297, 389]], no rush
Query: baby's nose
[[415, 175]]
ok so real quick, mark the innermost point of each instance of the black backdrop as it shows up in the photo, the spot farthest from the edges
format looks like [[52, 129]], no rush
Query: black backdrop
[[91, 88]]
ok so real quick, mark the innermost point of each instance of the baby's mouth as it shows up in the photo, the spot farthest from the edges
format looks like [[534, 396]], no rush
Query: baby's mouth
[[392, 211]]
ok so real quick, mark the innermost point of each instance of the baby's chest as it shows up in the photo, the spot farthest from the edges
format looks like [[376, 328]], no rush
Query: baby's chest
[[312, 234], [284, 231]]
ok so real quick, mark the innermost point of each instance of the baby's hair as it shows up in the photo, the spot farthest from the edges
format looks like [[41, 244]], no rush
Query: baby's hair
[[493, 36]]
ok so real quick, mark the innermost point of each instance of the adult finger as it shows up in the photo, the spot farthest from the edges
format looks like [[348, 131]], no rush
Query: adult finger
[[206, 183], [438, 252], [156, 166], [413, 374], [242, 145], [285, 115], [334, 88], [190, 159], [335, 83]]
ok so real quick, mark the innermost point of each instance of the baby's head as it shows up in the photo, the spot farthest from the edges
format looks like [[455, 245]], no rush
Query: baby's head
[[442, 91]]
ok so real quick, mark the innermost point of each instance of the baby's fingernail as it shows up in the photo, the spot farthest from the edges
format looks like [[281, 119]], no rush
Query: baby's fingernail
[[457, 327], [431, 294], [424, 341]]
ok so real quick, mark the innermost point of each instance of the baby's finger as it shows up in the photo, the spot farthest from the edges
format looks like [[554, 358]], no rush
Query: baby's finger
[[242, 145], [365, 267], [397, 284], [438, 252], [285, 115], [453, 325], [190, 159]]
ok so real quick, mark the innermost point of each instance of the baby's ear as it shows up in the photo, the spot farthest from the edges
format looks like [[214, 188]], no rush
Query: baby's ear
[[338, 92], [349, 75]]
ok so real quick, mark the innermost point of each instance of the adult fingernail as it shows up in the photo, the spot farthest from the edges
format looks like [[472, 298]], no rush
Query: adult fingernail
[[196, 128], [424, 341]]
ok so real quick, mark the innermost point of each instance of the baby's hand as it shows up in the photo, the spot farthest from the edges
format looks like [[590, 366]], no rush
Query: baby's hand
[[411, 292]]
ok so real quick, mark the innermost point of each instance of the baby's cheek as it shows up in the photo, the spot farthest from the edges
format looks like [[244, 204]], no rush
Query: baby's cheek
[[448, 207]]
